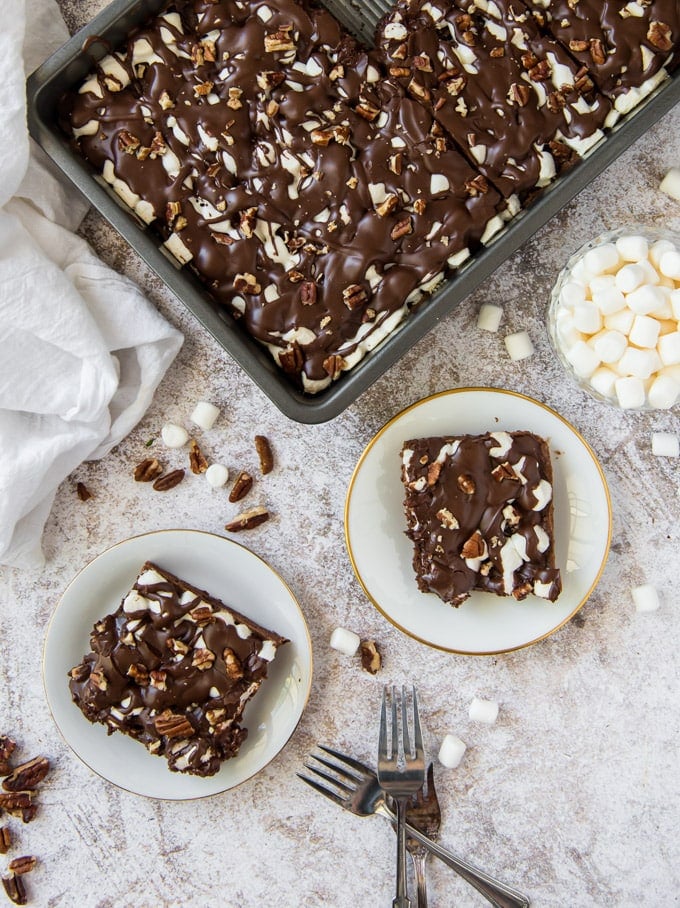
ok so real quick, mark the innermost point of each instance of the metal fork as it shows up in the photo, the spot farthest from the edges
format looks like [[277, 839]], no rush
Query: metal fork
[[423, 813], [401, 773], [355, 787]]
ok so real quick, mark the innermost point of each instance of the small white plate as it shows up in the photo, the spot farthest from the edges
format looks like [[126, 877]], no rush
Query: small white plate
[[229, 572], [381, 554]]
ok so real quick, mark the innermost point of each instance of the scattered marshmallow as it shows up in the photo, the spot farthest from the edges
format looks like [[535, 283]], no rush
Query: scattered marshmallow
[[174, 436], [671, 183], [217, 475], [344, 641], [664, 444], [646, 598], [483, 711], [489, 317], [451, 751], [519, 345], [205, 415]]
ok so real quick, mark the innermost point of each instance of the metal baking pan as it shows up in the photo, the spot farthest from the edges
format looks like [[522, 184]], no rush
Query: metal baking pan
[[69, 65]]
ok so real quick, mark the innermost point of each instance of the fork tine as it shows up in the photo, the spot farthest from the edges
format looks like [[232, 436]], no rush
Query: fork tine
[[322, 789], [395, 726], [382, 737], [338, 783], [404, 725], [362, 774], [417, 731], [351, 779]]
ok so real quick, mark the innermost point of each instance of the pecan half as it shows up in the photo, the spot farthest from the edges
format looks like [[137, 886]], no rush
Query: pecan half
[[308, 293], [597, 51], [232, 664], [7, 748], [387, 205], [248, 520], [27, 775], [15, 800], [291, 359], [371, 660], [15, 889], [197, 461], [5, 839], [173, 726], [242, 485], [203, 659], [659, 35], [473, 547], [353, 296], [403, 227], [169, 481], [23, 865], [280, 40], [433, 472], [264, 452], [148, 470]]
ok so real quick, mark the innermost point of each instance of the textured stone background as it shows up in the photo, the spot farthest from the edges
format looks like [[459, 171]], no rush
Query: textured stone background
[[572, 796]]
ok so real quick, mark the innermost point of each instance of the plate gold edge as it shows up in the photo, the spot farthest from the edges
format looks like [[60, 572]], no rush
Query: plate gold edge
[[401, 414], [198, 797]]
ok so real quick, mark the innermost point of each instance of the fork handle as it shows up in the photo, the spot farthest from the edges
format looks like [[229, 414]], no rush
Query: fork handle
[[401, 900], [494, 891]]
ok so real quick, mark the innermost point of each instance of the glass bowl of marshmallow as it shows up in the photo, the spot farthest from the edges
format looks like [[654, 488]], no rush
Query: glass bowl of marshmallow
[[614, 318]]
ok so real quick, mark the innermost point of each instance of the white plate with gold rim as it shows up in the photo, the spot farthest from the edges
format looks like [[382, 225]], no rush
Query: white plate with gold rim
[[381, 554], [228, 571]]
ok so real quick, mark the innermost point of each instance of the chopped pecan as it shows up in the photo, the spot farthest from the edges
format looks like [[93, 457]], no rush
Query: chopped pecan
[[203, 89], [422, 62], [447, 520], [476, 186], [246, 222], [367, 110], [354, 296], [5, 839], [371, 660], [333, 365], [234, 102], [474, 546], [158, 146], [433, 472], [248, 520], [418, 90], [308, 293], [519, 94], [419, 206], [202, 615], [403, 227], [23, 865], [27, 775], [597, 51], [242, 485], [503, 471], [169, 481], [466, 484], [395, 162], [247, 283], [127, 142], [556, 101], [157, 679], [172, 725], [264, 452], [7, 748], [148, 470], [659, 36], [498, 51], [295, 276], [522, 591], [232, 664], [400, 72], [281, 40], [203, 659], [177, 646], [387, 205], [139, 673], [98, 679], [197, 461], [578, 45], [15, 889], [291, 359], [83, 492], [469, 37]]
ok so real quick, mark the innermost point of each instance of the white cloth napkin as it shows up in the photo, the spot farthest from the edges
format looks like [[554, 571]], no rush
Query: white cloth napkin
[[81, 350]]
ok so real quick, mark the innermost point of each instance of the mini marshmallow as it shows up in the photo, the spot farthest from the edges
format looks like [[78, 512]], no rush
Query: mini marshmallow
[[645, 597], [669, 348], [602, 282], [620, 321], [664, 444], [645, 299], [645, 331], [674, 300], [489, 317], [564, 324], [344, 641], [609, 300], [217, 475], [571, 294], [584, 360], [663, 392], [630, 392], [651, 274], [602, 380], [671, 183], [639, 363], [483, 711], [174, 436], [669, 264], [629, 278], [609, 345], [656, 250], [602, 259], [519, 345], [632, 248], [205, 415], [587, 318], [451, 751]]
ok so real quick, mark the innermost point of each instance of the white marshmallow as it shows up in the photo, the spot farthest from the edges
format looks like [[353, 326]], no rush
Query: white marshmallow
[[483, 711], [656, 250], [632, 248], [630, 392], [572, 293], [639, 363], [664, 444], [671, 183], [669, 348], [564, 323], [174, 436], [609, 345], [651, 274], [645, 331], [344, 641], [674, 300], [587, 318], [629, 278], [602, 282], [489, 318], [217, 475], [451, 751], [645, 299], [603, 380], [584, 360], [663, 392], [519, 345], [645, 597], [602, 259], [620, 321], [580, 274], [669, 265], [609, 300], [205, 415]]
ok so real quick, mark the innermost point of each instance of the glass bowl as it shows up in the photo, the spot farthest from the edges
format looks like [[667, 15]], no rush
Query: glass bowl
[[588, 323]]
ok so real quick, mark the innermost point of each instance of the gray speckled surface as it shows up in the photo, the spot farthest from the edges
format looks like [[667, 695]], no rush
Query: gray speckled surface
[[572, 796]]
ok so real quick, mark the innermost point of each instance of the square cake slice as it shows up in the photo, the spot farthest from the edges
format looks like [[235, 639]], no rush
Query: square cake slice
[[173, 667], [480, 515]]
